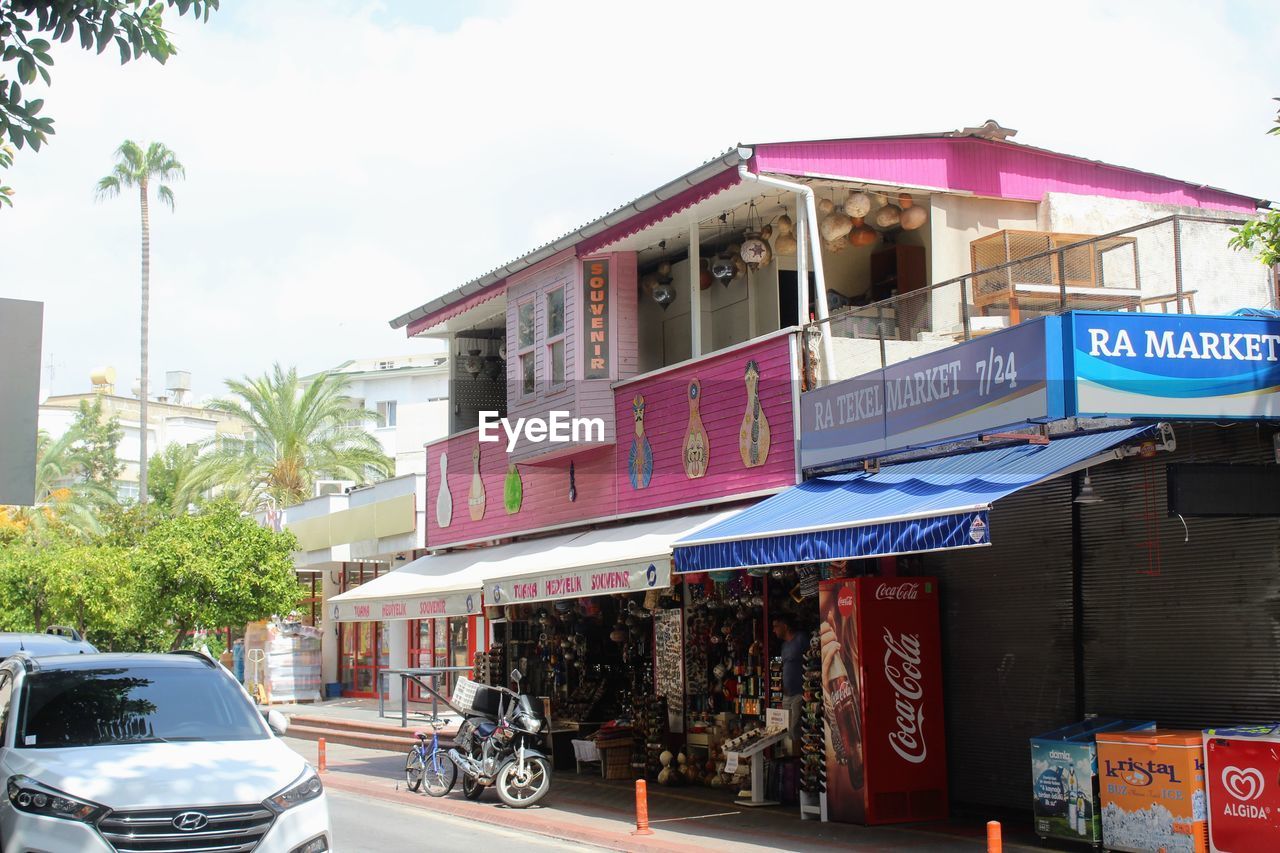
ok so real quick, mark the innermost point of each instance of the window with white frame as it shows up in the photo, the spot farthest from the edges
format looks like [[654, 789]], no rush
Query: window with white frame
[[525, 332], [555, 336], [386, 413]]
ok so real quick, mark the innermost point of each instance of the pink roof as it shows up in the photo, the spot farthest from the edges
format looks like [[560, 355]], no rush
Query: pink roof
[[985, 167]]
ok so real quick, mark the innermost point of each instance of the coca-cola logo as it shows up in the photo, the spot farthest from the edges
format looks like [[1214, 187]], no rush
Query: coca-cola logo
[[897, 592], [902, 670], [844, 601], [1243, 784]]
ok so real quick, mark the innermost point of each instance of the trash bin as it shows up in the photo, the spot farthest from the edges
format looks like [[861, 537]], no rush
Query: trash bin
[[333, 690], [1064, 778]]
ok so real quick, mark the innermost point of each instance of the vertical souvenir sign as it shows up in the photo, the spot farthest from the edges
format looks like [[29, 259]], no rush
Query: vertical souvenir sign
[[596, 330]]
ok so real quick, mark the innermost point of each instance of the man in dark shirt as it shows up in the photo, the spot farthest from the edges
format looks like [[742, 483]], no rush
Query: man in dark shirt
[[794, 644]]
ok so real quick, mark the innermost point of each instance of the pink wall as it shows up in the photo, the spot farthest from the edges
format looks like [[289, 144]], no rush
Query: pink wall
[[600, 474], [723, 404], [985, 167]]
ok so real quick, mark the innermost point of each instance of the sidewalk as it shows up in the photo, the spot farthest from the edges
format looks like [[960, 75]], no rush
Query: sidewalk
[[592, 811]]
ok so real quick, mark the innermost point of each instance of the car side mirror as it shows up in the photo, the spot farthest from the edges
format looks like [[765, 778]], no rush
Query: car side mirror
[[277, 722]]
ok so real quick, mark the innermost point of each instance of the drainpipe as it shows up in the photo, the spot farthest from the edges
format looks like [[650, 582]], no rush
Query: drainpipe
[[815, 241]]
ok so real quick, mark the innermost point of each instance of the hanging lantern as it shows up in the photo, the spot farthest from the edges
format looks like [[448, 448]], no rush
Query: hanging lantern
[[825, 206], [785, 244], [857, 205], [913, 217], [887, 217], [835, 225], [664, 293], [784, 225], [664, 269], [705, 278], [722, 269], [755, 251], [863, 234], [472, 363]]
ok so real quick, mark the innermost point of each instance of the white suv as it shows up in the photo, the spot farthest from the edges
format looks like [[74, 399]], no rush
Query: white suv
[[125, 753]]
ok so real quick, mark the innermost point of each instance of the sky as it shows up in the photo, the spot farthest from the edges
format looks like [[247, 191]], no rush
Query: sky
[[348, 161]]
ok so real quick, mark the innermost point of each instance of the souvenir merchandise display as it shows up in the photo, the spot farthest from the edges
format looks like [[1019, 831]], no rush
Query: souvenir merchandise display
[[651, 720], [813, 773]]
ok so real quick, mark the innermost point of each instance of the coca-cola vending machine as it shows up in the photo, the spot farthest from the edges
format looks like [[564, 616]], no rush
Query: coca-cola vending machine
[[882, 699]]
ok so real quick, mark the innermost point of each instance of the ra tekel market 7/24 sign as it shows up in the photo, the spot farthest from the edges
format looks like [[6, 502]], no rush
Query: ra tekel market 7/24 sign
[[1083, 364]]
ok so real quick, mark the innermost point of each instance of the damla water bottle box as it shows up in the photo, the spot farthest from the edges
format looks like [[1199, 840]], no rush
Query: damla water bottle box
[[1064, 777]]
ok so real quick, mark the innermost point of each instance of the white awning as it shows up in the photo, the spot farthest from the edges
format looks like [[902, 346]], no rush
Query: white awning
[[436, 585], [627, 558]]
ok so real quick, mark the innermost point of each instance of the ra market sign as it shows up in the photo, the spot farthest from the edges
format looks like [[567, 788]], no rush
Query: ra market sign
[[582, 583], [1173, 365], [462, 603], [998, 381]]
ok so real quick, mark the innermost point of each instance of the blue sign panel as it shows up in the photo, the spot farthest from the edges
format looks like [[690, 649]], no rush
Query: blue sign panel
[[1001, 380], [1173, 365]]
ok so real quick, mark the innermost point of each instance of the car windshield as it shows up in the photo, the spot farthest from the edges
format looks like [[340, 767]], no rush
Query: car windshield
[[95, 707]]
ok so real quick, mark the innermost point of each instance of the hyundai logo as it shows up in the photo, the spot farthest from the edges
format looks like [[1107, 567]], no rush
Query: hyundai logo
[[190, 821]]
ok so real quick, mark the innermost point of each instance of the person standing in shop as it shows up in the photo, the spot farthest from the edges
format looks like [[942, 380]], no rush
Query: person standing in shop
[[794, 643]]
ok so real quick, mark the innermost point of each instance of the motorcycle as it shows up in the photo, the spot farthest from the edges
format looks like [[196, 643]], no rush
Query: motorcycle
[[497, 745]]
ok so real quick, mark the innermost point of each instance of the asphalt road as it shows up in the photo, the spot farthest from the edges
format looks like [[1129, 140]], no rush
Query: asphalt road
[[366, 825]]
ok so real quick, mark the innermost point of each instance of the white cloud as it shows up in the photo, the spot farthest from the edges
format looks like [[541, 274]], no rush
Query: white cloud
[[346, 164]]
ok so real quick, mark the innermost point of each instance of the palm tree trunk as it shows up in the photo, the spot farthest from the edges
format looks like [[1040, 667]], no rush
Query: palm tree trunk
[[146, 308]]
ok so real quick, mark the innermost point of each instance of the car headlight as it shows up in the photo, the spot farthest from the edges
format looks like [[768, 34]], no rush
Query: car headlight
[[304, 789], [28, 795]]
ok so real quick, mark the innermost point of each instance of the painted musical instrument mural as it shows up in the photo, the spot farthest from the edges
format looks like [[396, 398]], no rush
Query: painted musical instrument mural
[[753, 437], [513, 490], [475, 499], [640, 459], [444, 500], [697, 447]]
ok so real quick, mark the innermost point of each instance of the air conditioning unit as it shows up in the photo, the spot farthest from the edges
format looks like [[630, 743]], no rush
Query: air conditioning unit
[[334, 487]]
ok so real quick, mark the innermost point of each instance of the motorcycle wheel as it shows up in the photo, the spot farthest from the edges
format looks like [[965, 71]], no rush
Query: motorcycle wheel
[[471, 789], [521, 792]]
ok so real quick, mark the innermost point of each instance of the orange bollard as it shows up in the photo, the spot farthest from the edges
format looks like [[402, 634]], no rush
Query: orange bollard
[[642, 809], [994, 844], [320, 768]]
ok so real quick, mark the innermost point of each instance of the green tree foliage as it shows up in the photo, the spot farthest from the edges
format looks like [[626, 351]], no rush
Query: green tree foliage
[[66, 503], [212, 569], [29, 29], [169, 479], [6, 160], [1262, 234], [97, 438], [300, 433]]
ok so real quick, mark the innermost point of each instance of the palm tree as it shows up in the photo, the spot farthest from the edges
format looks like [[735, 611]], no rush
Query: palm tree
[[138, 168], [64, 498], [299, 432]]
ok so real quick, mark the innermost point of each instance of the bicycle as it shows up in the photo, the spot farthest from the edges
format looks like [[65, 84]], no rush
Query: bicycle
[[427, 764]]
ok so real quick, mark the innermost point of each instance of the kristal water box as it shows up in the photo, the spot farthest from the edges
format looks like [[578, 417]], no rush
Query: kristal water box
[[1152, 789], [1242, 773], [1064, 779]]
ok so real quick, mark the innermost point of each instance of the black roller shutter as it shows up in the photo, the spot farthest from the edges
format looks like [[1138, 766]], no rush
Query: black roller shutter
[[1007, 636], [1181, 623]]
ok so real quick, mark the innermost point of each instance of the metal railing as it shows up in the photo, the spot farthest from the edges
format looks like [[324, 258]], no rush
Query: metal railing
[[1178, 264], [414, 674]]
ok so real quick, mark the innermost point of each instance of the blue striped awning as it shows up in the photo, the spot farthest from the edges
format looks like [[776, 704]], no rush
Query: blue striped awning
[[929, 505]]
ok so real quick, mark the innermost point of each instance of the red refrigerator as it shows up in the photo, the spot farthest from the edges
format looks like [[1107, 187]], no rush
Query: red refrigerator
[[882, 700]]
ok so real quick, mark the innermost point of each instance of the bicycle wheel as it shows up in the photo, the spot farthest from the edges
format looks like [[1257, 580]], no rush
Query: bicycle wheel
[[439, 773], [414, 769]]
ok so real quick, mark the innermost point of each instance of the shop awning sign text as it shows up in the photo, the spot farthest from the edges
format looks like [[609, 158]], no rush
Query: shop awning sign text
[[410, 607], [1171, 365], [582, 583], [997, 381]]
